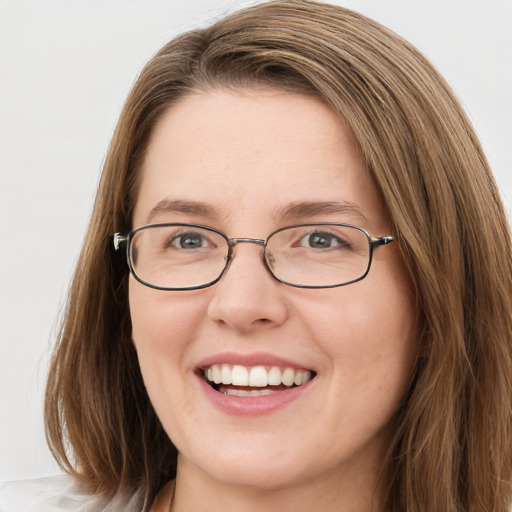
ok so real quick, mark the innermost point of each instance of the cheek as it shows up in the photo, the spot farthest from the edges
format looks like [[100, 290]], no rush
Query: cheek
[[374, 358], [368, 332], [164, 325], [162, 318]]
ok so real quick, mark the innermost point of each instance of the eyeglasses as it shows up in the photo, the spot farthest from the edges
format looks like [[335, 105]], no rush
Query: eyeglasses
[[190, 256]]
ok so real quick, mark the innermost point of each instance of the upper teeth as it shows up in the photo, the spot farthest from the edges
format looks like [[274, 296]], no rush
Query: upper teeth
[[257, 376]]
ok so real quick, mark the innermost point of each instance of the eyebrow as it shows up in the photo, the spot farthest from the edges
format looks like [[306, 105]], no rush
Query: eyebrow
[[306, 209], [179, 206], [292, 212]]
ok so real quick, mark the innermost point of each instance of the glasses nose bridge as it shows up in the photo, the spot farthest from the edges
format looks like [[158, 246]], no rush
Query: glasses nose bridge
[[232, 242]]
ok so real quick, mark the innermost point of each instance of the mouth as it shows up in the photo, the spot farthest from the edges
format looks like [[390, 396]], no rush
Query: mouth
[[252, 381]]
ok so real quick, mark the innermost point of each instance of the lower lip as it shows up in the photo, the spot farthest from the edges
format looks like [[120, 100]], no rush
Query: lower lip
[[252, 405]]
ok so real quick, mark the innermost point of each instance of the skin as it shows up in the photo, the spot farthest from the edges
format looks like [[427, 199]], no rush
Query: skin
[[248, 154]]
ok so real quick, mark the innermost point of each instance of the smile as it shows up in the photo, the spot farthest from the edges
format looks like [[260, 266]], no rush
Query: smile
[[243, 381]]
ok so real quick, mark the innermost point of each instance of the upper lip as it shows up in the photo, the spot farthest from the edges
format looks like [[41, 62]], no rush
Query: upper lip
[[249, 360]]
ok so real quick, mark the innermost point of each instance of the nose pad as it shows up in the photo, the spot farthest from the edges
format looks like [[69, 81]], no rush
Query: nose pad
[[269, 260], [247, 296], [266, 258]]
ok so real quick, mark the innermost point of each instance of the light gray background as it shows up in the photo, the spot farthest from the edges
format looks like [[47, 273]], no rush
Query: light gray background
[[65, 69]]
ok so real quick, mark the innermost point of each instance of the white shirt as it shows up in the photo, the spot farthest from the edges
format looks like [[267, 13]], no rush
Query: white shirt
[[61, 494]]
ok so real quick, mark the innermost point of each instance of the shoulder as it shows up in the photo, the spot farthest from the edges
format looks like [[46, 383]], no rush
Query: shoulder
[[60, 494]]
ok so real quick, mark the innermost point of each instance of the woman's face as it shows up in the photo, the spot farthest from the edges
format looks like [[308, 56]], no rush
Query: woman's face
[[248, 163]]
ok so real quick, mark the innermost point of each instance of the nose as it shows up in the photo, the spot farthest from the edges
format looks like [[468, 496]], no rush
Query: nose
[[247, 297]]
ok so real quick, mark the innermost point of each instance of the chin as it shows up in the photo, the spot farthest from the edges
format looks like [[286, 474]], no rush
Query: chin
[[261, 477], [258, 470]]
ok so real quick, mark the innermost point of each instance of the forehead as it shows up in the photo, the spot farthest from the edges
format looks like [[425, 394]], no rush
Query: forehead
[[252, 151]]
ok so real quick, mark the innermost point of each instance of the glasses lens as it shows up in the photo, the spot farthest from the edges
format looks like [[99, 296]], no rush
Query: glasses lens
[[318, 255], [177, 256]]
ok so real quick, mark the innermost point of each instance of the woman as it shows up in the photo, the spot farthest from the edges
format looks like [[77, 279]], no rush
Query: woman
[[360, 357]]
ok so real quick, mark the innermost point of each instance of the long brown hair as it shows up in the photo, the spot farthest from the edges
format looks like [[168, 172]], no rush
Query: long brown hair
[[453, 442]]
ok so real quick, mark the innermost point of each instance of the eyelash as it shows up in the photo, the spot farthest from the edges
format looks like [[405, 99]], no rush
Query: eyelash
[[190, 234], [340, 242]]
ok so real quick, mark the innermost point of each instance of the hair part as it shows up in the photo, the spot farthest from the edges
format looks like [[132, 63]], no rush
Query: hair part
[[452, 447]]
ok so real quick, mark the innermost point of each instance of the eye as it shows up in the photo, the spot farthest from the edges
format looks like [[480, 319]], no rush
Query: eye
[[323, 240], [189, 240]]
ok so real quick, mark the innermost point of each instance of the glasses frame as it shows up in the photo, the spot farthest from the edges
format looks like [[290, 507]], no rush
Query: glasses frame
[[122, 241]]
